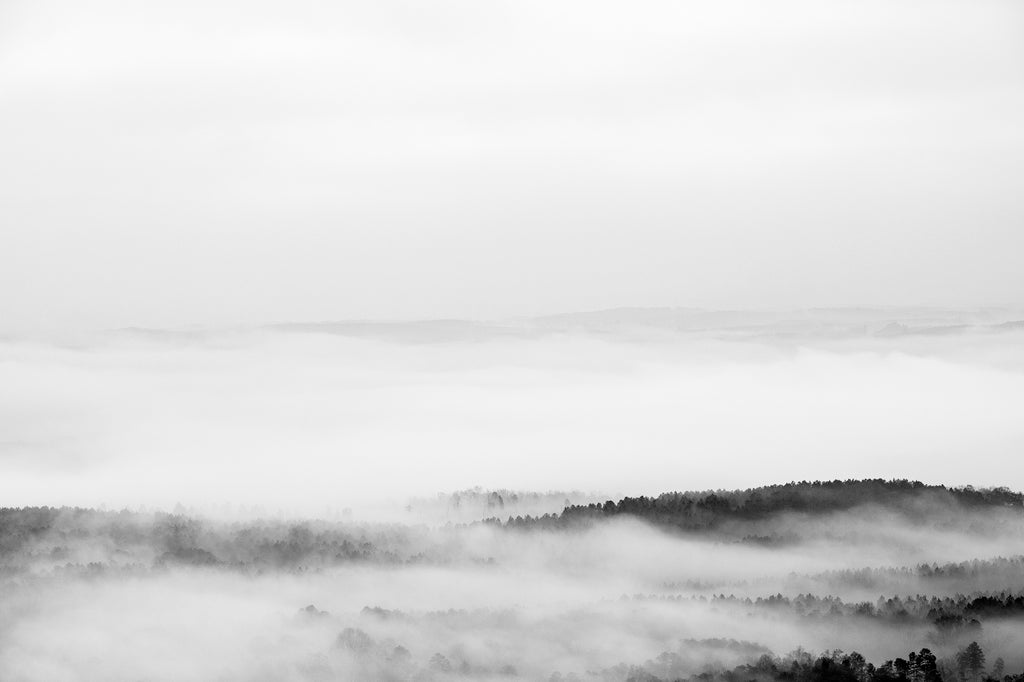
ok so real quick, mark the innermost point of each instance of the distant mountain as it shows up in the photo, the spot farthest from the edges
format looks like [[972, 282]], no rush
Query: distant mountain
[[640, 322]]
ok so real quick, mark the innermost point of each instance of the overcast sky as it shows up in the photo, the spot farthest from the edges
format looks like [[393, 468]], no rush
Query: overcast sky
[[224, 162]]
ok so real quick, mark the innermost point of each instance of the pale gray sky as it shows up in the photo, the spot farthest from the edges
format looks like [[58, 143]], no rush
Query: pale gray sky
[[223, 162]]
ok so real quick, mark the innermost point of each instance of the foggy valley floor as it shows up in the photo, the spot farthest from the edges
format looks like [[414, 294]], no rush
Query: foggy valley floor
[[782, 582], [260, 503]]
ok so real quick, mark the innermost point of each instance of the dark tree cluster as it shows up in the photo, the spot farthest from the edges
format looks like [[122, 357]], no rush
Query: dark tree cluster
[[968, 665], [948, 614], [696, 511]]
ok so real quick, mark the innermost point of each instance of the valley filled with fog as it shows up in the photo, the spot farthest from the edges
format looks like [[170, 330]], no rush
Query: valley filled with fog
[[494, 500], [713, 584]]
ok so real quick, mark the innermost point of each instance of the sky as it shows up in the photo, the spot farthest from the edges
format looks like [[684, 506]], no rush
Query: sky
[[224, 162]]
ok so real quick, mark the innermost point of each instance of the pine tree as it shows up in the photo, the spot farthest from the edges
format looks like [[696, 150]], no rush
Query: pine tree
[[971, 662]]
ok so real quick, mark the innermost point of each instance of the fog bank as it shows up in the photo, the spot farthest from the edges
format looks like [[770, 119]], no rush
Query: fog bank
[[319, 419]]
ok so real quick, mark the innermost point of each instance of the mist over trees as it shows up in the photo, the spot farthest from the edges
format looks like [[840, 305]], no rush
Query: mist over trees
[[697, 511], [860, 581], [766, 516]]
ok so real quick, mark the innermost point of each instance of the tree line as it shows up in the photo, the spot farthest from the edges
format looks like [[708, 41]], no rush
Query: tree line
[[966, 665], [697, 511]]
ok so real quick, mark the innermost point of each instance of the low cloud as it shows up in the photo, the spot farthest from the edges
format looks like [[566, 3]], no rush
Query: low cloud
[[315, 423]]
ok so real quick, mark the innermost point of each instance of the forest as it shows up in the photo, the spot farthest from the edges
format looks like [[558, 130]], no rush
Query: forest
[[177, 536], [823, 581], [700, 511]]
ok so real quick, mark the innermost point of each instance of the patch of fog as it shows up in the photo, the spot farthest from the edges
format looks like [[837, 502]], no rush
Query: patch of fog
[[194, 624]]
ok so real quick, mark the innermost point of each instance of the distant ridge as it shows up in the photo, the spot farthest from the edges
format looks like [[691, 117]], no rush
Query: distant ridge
[[708, 509], [638, 322], [626, 321]]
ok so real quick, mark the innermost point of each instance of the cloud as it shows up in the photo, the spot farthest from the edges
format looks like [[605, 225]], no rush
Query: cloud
[[313, 421]]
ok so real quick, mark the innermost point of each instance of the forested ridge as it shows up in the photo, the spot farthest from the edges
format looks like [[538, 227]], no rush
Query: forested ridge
[[950, 615], [696, 511], [31, 534]]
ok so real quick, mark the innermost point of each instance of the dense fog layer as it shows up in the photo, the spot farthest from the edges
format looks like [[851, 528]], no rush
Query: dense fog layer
[[318, 419]]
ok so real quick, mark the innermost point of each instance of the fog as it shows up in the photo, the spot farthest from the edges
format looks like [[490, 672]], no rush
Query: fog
[[319, 419], [494, 602], [428, 500]]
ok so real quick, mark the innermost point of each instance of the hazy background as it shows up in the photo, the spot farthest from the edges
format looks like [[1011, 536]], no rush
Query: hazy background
[[226, 162], [317, 418]]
